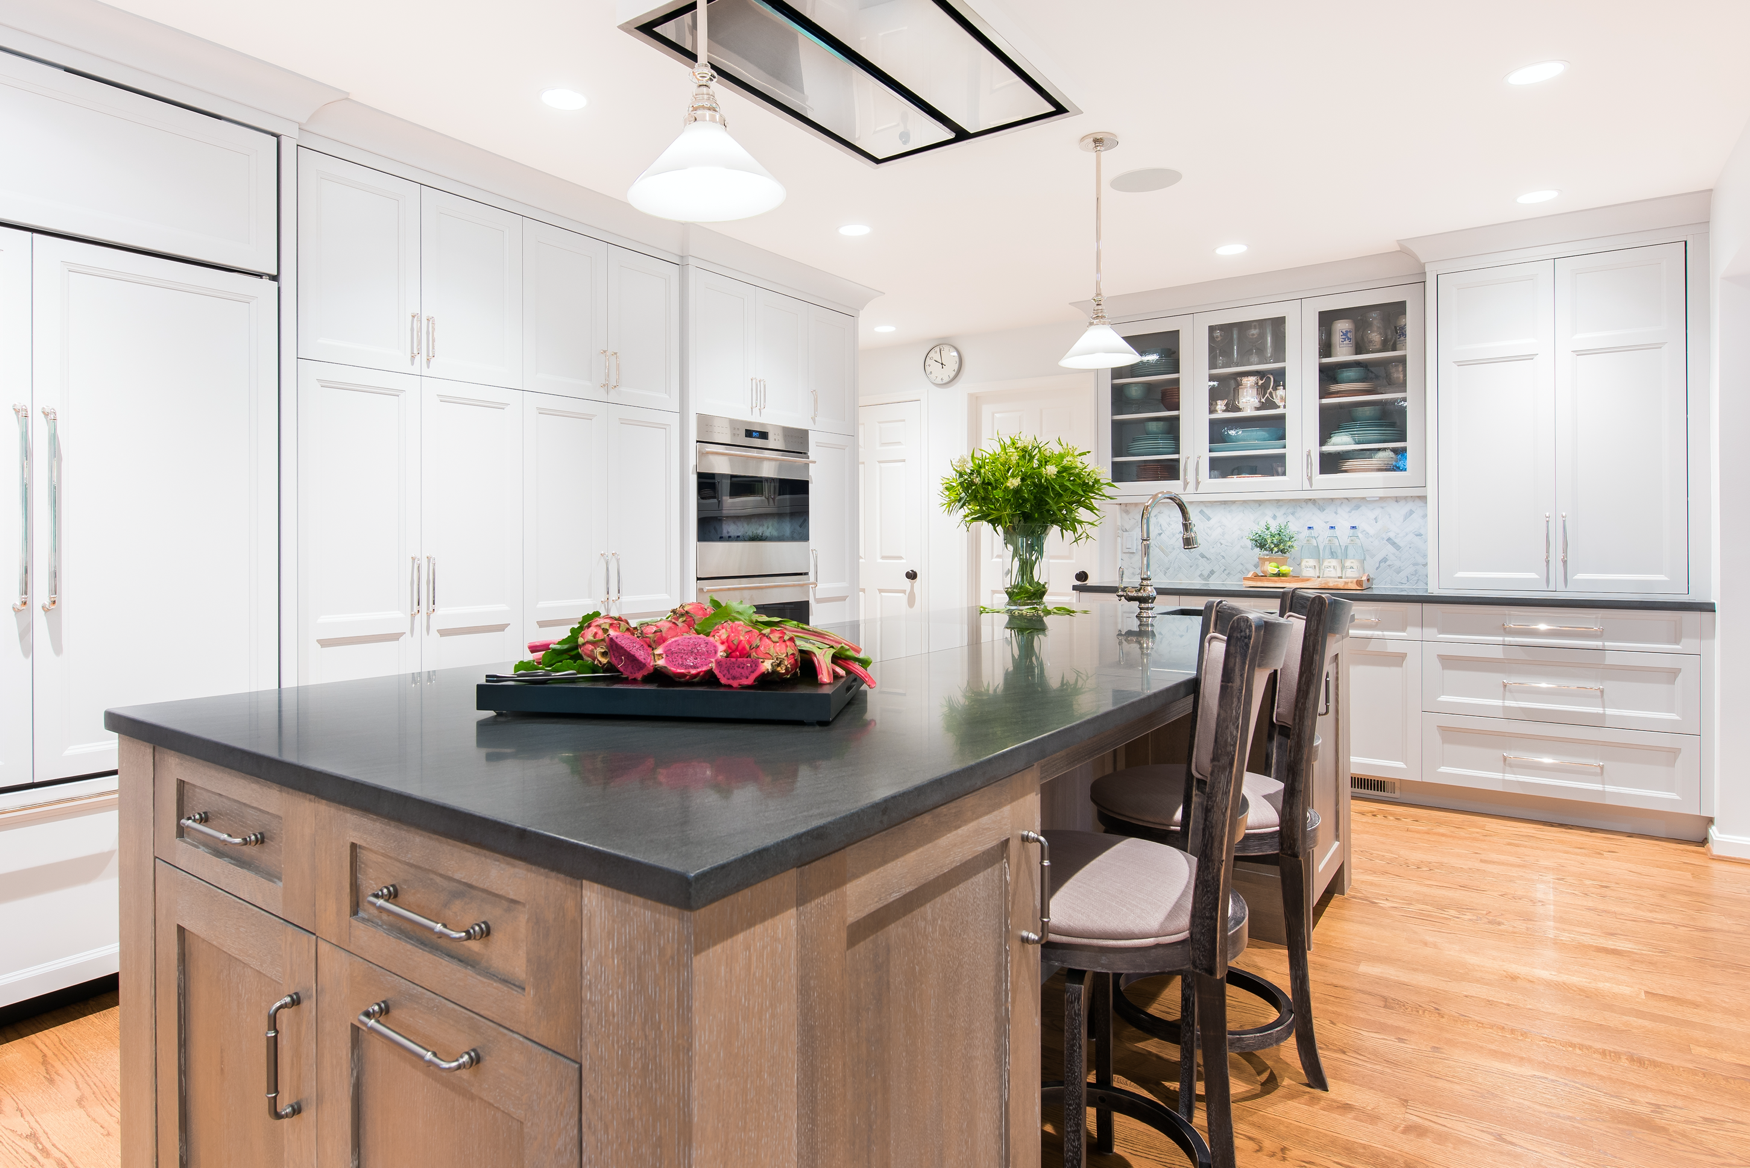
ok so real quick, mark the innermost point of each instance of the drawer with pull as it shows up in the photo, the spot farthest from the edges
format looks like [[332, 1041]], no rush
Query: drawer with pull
[[1630, 630], [497, 936], [1391, 622], [1582, 687]]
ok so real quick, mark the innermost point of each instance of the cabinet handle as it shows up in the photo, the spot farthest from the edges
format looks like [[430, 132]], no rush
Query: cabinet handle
[[23, 413], [616, 384], [1327, 708], [1546, 538], [619, 578], [815, 415], [430, 339], [607, 586], [54, 511], [1505, 757], [1542, 628], [1550, 685], [604, 354], [814, 573], [430, 590], [1309, 468], [1039, 938], [753, 394], [414, 604], [198, 822], [1364, 620], [706, 590], [382, 900], [743, 452], [273, 1059], [763, 399], [368, 1019], [413, 345], [1564, 549]]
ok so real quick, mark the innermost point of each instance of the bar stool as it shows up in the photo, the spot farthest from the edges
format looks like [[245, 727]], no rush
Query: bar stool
[[1122, 904], [1149, 802]]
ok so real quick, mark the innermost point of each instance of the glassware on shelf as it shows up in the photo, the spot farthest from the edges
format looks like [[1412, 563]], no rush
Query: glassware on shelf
[[1394, 373], [1401, 342], [1374, 337], [1223, 346], [1254, 343]]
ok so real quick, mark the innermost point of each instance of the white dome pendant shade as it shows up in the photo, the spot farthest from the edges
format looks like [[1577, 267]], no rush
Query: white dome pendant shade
[[705, 176], [1100, 346]]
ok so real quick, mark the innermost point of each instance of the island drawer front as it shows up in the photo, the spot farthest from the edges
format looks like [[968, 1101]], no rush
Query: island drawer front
[[519, 958], [272, 870], [1586, 628], [1389, 622], [517, 1106], [1660, 692], [1623, 768]]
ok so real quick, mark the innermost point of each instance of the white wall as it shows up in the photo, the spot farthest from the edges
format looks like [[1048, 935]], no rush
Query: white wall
[[1730, 431]]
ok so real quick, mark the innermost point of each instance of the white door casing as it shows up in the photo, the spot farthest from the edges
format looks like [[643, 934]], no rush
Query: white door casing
[[565, 513], [471, 290], [644, 328], [720, 360], [832, 369], [565, 311], [18, 428], [782, 361], [644, 510], [358, 265], [1041, 413], [163, 378], [891, 446], [832, 526]]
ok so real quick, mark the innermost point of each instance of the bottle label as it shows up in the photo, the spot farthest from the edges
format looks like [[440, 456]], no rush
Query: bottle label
[[1332, 569], [1309, 567], [1352, 569]]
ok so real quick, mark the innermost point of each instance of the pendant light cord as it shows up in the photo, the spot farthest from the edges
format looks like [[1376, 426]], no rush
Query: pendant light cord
[[1099, 299], [702, 70]]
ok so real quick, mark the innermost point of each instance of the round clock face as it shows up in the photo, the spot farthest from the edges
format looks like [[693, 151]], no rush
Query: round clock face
[[942, 364]]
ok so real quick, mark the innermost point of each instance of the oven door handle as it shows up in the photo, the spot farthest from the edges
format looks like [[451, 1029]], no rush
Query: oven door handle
[[800, 583], [758, 456]]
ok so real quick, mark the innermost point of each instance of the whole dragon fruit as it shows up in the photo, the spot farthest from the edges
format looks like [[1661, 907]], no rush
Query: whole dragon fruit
[[631, 655], [738, 640], [592, 643], [656, 633], [689, 614], [689, 657], [777, 648]]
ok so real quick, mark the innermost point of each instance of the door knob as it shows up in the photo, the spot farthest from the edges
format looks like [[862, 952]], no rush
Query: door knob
[[911, 574], [1081, 577]]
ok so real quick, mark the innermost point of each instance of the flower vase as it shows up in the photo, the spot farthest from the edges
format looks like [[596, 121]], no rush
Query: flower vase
[[1024, 564]]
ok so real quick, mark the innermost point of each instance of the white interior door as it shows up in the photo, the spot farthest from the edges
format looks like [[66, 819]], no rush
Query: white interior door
[[471, 501], [471, 290], [565, 311], [360, 580], [782, 365], [644, 330], [1496, 432], [832, 526], [832, 369], [1622, 410], [15, 484], [644, 510], [157, 553], [1049, 414], [565, 513], [358, 265], [891, 446], [720, 362]]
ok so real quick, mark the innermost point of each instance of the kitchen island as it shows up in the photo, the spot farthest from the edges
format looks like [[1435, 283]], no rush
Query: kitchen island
[[531, 940]]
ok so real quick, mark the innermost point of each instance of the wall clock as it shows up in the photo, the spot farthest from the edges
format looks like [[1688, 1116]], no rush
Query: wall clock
[[942, 364]]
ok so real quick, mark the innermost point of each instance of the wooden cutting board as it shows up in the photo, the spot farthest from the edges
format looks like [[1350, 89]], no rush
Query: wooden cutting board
[[1257, 581]]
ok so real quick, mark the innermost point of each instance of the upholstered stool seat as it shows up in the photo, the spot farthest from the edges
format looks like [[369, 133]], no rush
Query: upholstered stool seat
[[1154, 796]]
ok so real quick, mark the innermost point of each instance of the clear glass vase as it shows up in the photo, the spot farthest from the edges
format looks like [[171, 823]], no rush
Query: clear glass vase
[[1024, 564]]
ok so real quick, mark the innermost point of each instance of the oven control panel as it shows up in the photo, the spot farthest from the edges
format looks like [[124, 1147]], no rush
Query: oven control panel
[[753, 435]]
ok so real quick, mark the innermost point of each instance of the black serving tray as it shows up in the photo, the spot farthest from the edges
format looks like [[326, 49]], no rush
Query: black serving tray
[[792, 701]]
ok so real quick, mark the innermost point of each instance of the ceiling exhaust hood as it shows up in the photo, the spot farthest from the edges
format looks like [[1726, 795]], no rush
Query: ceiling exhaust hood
[[880, 79]]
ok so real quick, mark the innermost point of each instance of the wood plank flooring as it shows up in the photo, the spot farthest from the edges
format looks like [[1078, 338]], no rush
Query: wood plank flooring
[[1490, 992]]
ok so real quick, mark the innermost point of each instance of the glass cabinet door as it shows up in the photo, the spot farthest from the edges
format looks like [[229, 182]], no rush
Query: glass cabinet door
[[1246, 411], [1367, 429], [1143, 407]]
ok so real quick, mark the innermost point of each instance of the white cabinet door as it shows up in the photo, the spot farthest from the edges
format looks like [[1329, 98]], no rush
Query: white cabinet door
[[565, 311], [360, 580], [471, 501], [782, 361], [644, 330], [358, 265], [1235, 451], [155, 534], [58, 866], [832, 526], [565, 513], [720, 361], [1496, 428], [1622, 475], [471, 290], [832, 369], [1385, 703], [644, 510], [15, 484]]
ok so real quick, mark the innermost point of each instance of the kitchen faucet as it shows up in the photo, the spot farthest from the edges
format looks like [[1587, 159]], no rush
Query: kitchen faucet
[[1144, 591]]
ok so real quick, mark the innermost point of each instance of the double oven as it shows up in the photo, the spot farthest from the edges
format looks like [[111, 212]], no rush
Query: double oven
[[753, 515]]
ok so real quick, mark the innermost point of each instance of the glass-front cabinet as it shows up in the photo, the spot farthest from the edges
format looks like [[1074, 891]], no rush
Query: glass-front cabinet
[[1143, 431], [1246, 411], [1364, 413]]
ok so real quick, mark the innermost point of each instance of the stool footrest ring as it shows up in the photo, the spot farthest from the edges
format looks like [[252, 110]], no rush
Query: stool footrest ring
[[1145, 1110], [1272, 1033]]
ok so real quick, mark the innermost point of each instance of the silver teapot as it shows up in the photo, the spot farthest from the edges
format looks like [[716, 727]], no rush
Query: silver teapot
[[1252, 391]]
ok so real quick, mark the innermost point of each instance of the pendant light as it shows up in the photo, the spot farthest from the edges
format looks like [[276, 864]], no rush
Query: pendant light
[[1100, 347], [705, 176]]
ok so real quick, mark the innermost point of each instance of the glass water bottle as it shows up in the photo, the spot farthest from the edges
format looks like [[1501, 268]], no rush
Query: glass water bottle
[[1354, 556], [1331, 566], [1309, 554]]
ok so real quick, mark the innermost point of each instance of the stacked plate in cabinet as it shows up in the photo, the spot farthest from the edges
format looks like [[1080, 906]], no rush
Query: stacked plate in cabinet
[[1365, 433], [1153, 472], [1372, 462], [1154, 444]]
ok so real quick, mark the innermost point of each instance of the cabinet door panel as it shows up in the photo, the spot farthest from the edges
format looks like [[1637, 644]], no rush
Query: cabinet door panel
[[832, 369], [1622, 476], [644, 539], [721, 361], [782, 361], [60, 867], [1496, 428], [358, 265], [565, 513], [565, 311], [471, 499], [1385, 692], [1260, 341], [1582, 687], [15, 444], [644, 330], [358, 517], [832, 526], [471, 290]]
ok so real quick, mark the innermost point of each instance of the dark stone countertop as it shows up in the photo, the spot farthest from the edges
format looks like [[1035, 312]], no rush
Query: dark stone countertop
[[681, 812], [1422, 596]]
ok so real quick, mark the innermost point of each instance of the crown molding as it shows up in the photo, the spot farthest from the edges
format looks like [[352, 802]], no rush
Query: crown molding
[[1667, 213], [1394, 267]]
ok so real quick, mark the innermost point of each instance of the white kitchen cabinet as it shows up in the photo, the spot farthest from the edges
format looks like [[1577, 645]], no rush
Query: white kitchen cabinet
[[1580, 687], [643, 330], [154, 525], [471, 289], [358, 265], [1239, 356], [58, 867], [1385, 702], [781, 360], [644, 510], [1143, 438], [832, 370], [566, 571], [15, 483], [565, 316], [720, 357], [832, 525], [1364, 407]]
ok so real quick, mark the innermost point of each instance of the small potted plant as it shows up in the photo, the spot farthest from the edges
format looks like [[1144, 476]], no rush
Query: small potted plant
[[1275, 543]]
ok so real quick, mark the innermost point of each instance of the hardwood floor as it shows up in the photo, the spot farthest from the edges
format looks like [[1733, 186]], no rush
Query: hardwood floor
[[1490, 992]]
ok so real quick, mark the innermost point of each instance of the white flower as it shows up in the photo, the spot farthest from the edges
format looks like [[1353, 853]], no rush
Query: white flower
[[1013, 483], [1051, 472]]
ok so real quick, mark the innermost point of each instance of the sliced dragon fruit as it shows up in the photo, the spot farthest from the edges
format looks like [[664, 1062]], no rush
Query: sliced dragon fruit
[[630, 655], [736, 672], [689, 614], [688, 658], [777, 648], [738, 640], [592, 643], [657, 633]]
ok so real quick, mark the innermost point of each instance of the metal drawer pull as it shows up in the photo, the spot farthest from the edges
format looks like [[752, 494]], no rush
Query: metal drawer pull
[[430, 339], [198, 822], [1542, 628], [1549, 761], [273, 1060], [616, 384], [380, 900], [1551, 685], [1028, 937], [1363, 620], [368, 1019], [1327, 709], [804, 583], [604, 354], [23, 413]]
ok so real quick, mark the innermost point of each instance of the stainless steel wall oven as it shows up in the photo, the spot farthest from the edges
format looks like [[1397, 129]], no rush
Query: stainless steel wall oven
[[753, 483]]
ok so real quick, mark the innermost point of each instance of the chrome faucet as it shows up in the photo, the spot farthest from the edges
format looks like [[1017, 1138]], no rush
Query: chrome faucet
[[1143, 594]]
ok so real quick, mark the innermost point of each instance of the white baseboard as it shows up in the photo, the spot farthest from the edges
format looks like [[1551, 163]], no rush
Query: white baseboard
[[1727, 847], [59, 974]]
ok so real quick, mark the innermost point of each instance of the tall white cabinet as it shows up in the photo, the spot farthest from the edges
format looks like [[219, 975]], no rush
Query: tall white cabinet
[[15, 485]]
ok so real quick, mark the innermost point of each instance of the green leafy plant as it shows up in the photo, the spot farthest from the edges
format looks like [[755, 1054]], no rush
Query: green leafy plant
[[1273, 539], [1022, 481]]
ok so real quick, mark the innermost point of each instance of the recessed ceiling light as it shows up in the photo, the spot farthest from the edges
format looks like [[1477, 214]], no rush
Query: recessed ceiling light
[[1230, 249], [1154, 178], [565, 99], [854, 229], [1538, 196], [884, 328], [1532, 74]]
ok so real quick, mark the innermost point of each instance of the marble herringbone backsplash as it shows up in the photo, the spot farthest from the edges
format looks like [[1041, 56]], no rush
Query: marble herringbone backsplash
[[1394, 532]]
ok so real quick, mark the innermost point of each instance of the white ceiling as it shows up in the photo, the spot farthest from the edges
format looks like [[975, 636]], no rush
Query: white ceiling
[[1309, 131]]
